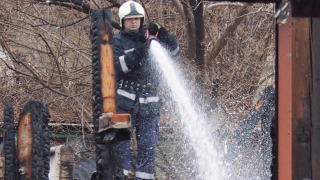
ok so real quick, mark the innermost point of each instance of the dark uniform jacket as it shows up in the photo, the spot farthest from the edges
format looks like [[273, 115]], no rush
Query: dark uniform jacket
[[137, 76]]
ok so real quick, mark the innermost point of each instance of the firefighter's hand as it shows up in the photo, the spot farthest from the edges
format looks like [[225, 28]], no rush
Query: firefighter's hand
[[141, 51], [153, 28], [163, 34]]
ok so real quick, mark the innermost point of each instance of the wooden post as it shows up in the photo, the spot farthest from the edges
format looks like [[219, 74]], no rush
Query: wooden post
[[109, 127]]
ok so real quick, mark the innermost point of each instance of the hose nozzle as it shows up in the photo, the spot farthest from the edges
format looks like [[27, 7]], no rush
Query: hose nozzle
[[151, 37]]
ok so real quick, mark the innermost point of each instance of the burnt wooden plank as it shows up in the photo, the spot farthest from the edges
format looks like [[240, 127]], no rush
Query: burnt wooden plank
[[108, 75], [284, 90], [315, 139], [316, 7], [305, 8], [24, 146], [109, 162], [301, 8], [67, 162], [301, 98]]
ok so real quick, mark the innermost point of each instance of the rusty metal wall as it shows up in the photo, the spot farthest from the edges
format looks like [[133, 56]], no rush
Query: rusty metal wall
[[284, 99], [299, 99]]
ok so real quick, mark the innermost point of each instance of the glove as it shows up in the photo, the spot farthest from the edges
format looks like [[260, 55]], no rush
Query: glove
[[141, 51], [163, 34], [158, 32], [164, 37], [152, 29]]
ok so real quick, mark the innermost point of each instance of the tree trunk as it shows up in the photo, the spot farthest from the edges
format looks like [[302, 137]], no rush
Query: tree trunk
[[188, 19], [197, 11], [200, 36]]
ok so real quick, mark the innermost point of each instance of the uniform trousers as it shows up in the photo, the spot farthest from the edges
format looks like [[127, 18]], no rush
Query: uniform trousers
[[147, 133]]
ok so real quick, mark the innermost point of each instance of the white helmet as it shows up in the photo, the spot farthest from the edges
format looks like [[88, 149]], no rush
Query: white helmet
[[131, 9]]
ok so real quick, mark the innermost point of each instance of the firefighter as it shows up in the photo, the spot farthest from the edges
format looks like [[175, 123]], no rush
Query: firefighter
[[137, 79]]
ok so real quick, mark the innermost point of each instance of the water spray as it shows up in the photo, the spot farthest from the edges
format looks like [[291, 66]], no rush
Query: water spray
[[195, 125]]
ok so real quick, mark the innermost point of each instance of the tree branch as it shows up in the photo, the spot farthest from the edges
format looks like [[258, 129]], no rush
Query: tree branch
[[115, 25], [224, 4], [82, 7], [27, 47], [35, 76], [229, 31], [145, 9], [115, 3], [63, 26], [78, 5], [86, 113], [53, 56], [180, 9], [188, 19]]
